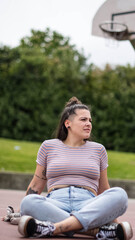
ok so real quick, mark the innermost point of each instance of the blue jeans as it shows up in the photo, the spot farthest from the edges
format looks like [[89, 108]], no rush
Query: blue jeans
[[91, 211]]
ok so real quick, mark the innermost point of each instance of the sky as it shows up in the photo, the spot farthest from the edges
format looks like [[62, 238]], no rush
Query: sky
[[71, 18]]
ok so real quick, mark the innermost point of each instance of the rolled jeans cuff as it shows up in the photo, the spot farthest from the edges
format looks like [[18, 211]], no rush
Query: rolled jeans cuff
[[82, 220]]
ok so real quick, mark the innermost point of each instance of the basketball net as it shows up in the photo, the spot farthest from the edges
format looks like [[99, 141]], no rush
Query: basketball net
[[113, 32], [110, 41]]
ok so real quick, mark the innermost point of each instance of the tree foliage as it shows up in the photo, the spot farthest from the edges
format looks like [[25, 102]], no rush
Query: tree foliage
[[43, 72]]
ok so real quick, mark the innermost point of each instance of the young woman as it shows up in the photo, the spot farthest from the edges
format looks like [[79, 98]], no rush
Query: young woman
[[79, 198]]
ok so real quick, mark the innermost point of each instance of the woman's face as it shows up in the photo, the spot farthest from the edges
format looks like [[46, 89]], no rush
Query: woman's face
[[80, 124]]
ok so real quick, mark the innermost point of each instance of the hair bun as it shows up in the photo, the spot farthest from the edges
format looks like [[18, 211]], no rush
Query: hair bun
[[72, 101]]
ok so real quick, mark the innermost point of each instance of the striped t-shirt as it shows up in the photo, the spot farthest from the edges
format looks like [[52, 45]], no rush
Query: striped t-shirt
[[72, 165]]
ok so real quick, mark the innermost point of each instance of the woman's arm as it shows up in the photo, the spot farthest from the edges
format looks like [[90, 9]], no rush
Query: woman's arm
[[38, 182], [103, 182], [36, 185]]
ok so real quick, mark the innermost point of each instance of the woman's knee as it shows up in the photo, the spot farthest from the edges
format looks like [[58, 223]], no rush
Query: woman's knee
[[121, 193], [121, 196], [28, 204]]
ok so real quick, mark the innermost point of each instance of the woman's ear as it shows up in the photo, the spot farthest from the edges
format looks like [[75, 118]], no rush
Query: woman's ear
[[67, 123]]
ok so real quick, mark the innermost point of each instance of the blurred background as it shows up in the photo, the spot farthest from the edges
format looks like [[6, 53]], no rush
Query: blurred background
[[47, 55]]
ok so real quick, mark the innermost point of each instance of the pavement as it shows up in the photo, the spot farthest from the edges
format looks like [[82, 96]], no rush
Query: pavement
[[13, 198]]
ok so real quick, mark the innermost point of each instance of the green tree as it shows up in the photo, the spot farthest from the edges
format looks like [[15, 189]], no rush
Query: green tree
[[44, 74], [113, 108], [44, 71]]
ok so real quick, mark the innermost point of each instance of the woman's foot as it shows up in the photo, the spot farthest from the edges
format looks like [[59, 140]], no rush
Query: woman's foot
[[30, 227]]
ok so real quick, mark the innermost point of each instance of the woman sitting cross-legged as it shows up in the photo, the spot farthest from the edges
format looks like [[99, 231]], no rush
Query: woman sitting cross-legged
[[79, 198]]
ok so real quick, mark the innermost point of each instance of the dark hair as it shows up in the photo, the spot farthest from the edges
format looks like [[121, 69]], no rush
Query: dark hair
[[69, 110]]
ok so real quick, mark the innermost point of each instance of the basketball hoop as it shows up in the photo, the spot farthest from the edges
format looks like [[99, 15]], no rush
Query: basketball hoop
[[114, 30]]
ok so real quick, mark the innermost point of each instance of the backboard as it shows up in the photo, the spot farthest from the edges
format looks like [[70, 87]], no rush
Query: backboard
[[115, 19]]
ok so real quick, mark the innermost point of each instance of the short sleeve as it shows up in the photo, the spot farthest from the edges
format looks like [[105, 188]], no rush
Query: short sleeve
[[104, 159], [42, 155]]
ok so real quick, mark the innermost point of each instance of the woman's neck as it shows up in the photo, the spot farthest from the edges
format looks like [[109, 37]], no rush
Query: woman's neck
[[73, 143]]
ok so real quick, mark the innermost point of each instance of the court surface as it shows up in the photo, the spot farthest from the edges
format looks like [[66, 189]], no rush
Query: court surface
[[13, 198]]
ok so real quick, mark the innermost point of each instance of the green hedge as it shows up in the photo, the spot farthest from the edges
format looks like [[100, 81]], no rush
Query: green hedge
[[43, 72]]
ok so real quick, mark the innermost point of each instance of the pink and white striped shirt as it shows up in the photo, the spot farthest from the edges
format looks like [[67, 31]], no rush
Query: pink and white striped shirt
[[72, 165]]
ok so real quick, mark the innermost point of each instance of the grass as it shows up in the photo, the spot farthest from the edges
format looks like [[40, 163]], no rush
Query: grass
[[121, 165], [20, 156]]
